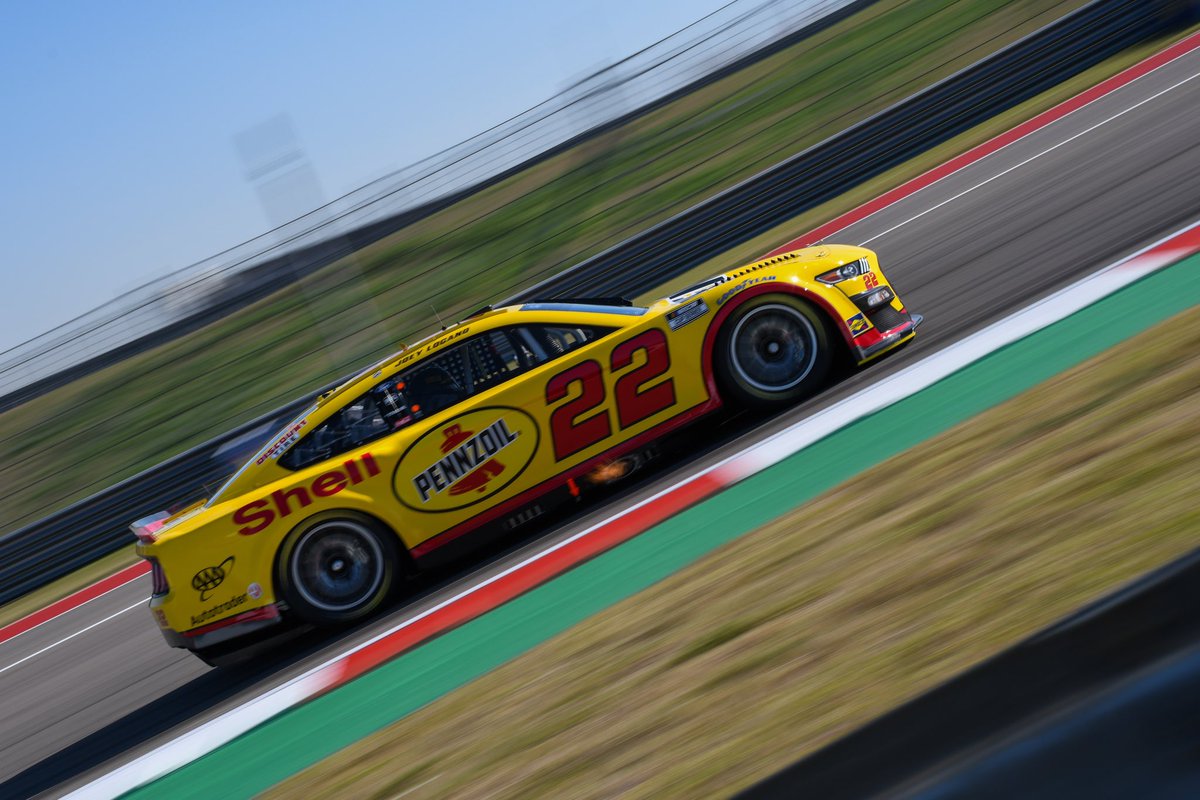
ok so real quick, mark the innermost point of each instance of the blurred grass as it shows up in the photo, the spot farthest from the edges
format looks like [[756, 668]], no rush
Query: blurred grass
[[870, 189], [109, 425], [822, 620]]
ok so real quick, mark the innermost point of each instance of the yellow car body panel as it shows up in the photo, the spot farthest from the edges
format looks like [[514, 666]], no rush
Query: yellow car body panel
[[484, 459]]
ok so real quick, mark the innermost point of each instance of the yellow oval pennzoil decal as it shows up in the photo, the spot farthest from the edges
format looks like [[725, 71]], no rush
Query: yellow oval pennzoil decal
[[466, 460]]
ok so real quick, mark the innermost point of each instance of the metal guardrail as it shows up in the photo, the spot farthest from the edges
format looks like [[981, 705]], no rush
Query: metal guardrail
[[52, 547], [804, 181], [733, 34], [79, 534]]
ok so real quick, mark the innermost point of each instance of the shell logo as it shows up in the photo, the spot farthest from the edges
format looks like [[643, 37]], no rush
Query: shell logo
[[466, 459]]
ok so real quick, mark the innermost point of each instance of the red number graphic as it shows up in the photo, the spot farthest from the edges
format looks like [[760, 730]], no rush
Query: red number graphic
[[569, 432], [870, 280], [635, 403], [580, 422]]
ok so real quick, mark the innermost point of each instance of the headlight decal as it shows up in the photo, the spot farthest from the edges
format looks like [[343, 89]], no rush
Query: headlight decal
[[845, 272]]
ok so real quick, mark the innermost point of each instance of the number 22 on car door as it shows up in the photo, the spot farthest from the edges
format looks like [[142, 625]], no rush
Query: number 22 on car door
[[609, 394]]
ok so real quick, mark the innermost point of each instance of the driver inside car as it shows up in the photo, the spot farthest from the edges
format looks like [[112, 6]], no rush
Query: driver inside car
[[431, 389]]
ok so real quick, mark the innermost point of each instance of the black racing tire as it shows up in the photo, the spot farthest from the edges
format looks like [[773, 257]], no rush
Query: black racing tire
[[337, 567], [772, 351]]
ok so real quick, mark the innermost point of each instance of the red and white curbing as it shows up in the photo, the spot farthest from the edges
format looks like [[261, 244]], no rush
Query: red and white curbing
[[558, 558], [73, 601], [1106, 87]]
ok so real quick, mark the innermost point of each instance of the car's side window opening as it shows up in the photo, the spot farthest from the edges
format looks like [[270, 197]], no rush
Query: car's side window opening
[[495, 357], [435, 384], [375, 414], [561, 339]]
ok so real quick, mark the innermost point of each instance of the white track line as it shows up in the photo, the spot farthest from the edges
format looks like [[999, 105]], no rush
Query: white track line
[[412, 789], [204, 739], [199, 741], [69, 637], [69, 610], [982, 183], [1031, 159]]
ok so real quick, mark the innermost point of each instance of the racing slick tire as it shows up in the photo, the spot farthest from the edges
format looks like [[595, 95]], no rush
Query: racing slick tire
[[337, 568], [772, 351]]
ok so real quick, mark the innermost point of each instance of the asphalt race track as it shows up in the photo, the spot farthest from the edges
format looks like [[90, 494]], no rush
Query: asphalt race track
[[98, 685]]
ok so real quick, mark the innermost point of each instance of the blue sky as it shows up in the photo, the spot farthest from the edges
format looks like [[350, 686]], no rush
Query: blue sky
[[116, 136]]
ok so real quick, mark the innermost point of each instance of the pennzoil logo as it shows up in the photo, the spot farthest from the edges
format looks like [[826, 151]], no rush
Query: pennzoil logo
[[469, 464], [466, 460]]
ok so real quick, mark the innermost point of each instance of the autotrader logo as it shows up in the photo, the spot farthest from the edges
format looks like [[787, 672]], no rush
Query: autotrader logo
[[219, 609], [208, 579]]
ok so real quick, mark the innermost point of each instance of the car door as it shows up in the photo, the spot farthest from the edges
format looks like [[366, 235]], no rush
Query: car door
[[545, 400]]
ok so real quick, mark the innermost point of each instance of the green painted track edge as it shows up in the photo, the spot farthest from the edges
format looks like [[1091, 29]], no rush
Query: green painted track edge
[[308, 733]]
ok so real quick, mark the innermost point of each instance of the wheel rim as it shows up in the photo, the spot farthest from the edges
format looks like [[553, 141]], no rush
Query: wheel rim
[[773, 348], [337, 566]]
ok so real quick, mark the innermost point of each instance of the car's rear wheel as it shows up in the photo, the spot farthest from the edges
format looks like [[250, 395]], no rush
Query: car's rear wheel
[[772, 351], [337, 568]]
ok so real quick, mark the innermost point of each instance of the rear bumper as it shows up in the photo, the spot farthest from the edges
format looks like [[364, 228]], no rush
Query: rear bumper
[[224, 630]]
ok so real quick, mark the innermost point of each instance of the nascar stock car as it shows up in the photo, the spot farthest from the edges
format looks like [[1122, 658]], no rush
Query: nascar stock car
[[486, 426]]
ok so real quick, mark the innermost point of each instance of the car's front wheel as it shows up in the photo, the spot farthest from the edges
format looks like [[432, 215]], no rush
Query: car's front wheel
[[337, 568], [772, 351]]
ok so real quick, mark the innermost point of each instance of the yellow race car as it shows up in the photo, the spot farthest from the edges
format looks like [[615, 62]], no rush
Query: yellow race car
[[487, 426]]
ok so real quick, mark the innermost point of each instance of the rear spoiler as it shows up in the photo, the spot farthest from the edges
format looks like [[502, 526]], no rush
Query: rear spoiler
[[146, 527]]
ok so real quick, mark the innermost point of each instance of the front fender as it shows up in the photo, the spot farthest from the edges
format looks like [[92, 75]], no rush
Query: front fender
[[833, 304]]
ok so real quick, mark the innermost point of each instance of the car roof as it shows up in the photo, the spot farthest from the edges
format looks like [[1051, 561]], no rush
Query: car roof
[[558, 311]]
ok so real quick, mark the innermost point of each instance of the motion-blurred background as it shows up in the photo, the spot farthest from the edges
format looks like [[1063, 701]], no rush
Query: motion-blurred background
[[286, 193]]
